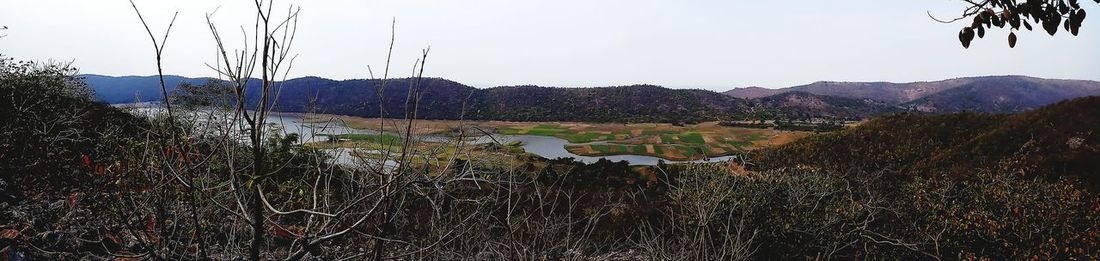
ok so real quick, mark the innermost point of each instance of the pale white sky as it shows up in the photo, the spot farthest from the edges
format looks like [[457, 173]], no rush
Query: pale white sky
[[682, 44]]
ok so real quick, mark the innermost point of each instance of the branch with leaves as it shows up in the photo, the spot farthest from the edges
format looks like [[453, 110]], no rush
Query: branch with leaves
[[1048, 14]]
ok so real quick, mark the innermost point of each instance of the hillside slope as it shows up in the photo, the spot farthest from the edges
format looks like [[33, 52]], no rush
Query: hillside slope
[[1003, 95], [1058, 139], [808, 105]]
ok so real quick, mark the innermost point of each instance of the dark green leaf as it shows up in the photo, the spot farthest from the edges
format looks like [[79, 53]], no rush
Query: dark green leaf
[[965, 36], [1051, 24]]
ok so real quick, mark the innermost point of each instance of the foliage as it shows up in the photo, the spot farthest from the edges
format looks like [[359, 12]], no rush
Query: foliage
[[1050, 14], [211, 94], [49, 124]]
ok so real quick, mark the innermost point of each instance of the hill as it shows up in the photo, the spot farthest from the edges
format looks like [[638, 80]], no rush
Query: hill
[[752, 92], [997, 94], [1003, 95], [1055, 140], [445, 99], [636, 103]]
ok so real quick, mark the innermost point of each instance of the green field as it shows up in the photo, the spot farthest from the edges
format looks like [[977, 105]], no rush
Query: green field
[[386, 139]]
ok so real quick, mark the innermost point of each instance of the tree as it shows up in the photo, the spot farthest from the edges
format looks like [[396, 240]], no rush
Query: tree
[[1050, 14]]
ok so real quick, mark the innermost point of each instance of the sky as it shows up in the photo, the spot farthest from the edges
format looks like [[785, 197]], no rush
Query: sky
[[707, 44]]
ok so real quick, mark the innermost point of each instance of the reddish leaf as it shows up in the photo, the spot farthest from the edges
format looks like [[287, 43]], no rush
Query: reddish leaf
[[150, 224], [113, 239], [1011, 40], [72, 199], [87, 161], [100, 169], [9, 234]]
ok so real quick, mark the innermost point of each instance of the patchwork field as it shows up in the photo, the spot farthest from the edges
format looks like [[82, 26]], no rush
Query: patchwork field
[[422, 152], [667, 141]]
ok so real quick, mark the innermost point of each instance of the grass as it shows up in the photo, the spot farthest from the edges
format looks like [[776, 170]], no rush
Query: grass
[[371, 138], [692, 137], [557, 131]]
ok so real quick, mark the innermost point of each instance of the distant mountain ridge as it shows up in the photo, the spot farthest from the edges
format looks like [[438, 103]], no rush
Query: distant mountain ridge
[[997, 94], [137, 88], [445, 99]]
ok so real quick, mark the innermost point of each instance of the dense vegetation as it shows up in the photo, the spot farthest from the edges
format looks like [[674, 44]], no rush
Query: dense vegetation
[[803, 105], [1053, 141]]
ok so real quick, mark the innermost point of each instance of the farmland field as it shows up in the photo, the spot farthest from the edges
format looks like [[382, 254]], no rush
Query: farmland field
[[667, 141]]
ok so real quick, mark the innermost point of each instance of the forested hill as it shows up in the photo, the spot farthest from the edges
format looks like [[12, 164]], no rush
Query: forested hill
[[445, 99], [802, 105], [636, 103]]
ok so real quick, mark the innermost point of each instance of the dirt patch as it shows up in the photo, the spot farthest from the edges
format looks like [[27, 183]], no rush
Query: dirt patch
[[708, 138], [650, 149], [585, 150], [672, 153], [784, 138], [716, 150]]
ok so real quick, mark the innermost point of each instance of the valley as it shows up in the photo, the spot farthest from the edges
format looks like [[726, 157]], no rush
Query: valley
[[652, 141], [549, 130]]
